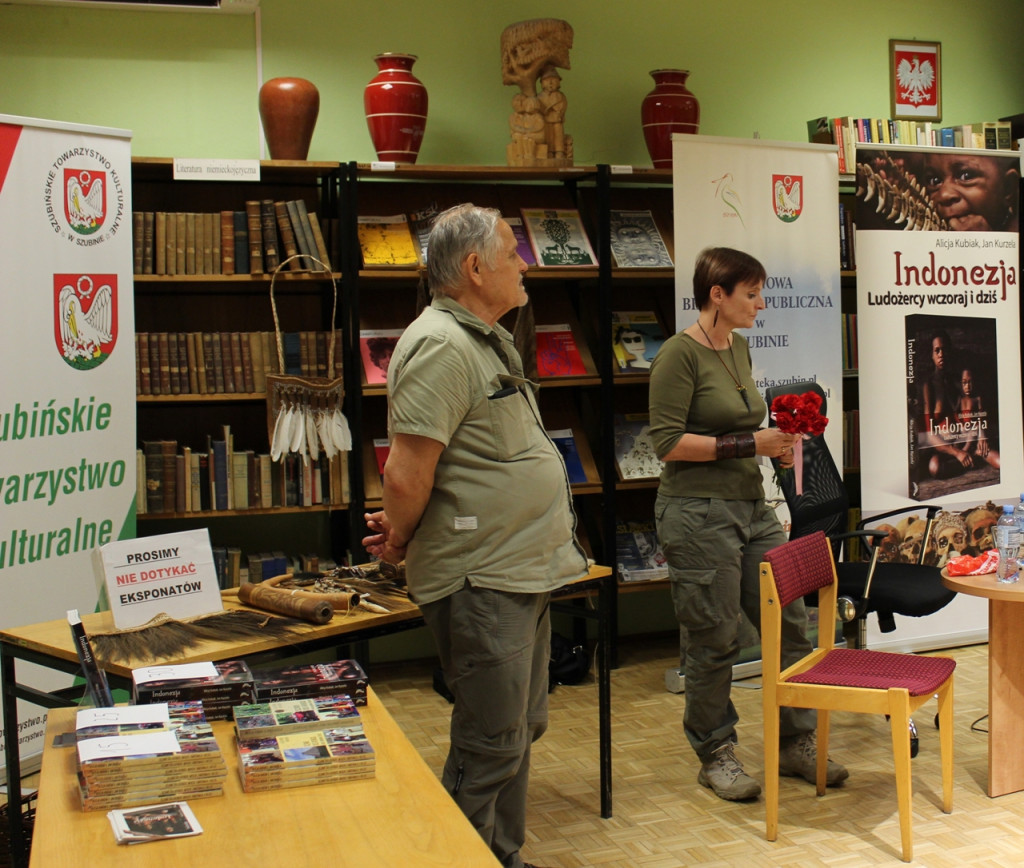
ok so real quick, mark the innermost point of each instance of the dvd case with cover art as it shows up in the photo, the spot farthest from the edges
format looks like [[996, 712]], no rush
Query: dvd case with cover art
[[952, 404]]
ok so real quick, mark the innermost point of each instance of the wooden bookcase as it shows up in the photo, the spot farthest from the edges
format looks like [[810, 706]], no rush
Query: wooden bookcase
[[220, 304]]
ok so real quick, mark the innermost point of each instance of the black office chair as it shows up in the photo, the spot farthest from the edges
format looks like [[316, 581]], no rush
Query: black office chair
[[869, 585]]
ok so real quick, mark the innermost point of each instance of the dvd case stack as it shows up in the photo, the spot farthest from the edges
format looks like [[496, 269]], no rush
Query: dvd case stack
[[301, 743], [312, 679], [219, 686], [145, 754]]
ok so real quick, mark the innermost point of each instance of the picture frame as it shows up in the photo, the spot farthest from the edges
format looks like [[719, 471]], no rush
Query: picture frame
[[915, 80]]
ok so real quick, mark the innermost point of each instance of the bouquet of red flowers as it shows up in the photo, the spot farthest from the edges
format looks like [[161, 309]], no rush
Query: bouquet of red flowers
[[799, 414]]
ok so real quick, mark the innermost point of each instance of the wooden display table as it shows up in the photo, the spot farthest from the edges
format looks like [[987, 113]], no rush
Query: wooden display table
[[49, 644], [403, 816], [1005, 677]]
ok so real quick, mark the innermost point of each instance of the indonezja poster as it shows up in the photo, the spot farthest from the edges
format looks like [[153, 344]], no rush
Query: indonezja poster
[[938, 307]]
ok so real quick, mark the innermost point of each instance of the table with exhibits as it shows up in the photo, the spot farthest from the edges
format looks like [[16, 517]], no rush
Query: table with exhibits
[[1005, 677], [49, 644], [401, 816]]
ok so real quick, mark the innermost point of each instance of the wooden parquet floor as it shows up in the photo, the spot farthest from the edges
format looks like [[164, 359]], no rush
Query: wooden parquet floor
[[663, 819]]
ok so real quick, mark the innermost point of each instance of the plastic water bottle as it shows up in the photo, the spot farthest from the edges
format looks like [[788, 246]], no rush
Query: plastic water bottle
[[1018, 514], [1008, 543]]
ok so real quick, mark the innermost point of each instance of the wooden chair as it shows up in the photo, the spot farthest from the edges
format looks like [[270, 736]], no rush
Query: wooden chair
[[842, 679]]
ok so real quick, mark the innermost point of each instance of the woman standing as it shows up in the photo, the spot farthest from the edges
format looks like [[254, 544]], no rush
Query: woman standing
[[713, 523]]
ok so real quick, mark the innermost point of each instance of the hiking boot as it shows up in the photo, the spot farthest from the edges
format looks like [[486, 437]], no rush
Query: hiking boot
[[725, 776], [797, 758]]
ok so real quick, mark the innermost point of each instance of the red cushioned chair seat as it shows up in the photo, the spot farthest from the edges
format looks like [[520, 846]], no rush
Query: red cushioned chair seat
[[878, 670]]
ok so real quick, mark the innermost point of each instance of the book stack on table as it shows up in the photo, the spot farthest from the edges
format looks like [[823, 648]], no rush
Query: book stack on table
[[312, 679], [301, 742], [219, 686], [145, 754]]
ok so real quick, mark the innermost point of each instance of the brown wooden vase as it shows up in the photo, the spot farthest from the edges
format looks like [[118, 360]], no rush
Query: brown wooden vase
[[288, 109]]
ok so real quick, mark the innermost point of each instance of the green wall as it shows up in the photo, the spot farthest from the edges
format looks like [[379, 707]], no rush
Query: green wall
[[186, 83]]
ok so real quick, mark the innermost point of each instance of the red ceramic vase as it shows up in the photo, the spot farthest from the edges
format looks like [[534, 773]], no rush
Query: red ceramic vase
[[669, 108], [396, 108], [288, 109]]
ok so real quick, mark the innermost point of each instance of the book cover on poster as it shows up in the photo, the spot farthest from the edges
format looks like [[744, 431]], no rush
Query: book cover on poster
[[952, 404]]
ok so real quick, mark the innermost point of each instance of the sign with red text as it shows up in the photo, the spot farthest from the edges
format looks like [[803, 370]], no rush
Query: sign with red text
[[172, 574]]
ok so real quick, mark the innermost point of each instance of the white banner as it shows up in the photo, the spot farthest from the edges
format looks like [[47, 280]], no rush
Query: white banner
[[779, 202], [67, 403], [939, 332]]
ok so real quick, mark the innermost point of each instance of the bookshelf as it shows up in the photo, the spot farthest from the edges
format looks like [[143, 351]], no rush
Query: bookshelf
[[192, 398], [387, 298]]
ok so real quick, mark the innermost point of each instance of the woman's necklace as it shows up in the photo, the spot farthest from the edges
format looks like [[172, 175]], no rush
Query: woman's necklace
[[734, 377]]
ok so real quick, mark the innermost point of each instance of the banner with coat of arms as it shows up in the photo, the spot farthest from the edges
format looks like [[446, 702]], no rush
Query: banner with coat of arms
[[779, 202], [67, 403]]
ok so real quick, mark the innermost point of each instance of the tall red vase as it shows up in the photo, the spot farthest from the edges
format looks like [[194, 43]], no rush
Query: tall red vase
[[288, 110], [669, 108], [396, 108]]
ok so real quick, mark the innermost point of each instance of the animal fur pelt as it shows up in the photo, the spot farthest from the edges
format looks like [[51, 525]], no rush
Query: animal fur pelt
[[164, 638]]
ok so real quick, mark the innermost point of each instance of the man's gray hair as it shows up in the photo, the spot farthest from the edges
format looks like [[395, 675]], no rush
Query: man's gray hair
[[455, 234]]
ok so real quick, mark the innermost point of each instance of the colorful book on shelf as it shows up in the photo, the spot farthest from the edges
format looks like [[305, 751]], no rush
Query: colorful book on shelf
[[375, 348], [636, 338], [287, 716], [635, 457], [557, 237], [565, 440], [636, 241], [557, 353], [523, 247], [419, 224], [386, 241], [638, 554], [381, 450]]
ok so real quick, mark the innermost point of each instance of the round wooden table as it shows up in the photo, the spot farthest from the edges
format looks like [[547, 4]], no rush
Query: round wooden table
[[1005, 676]]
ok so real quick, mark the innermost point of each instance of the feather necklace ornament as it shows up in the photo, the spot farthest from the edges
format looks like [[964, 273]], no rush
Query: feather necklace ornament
[[278, 444], [312, 438], [323, 422], [165, 638], [340, 431], [296, 440]]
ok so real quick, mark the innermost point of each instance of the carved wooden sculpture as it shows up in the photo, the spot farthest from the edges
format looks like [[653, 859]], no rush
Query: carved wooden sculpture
[[530, 51]]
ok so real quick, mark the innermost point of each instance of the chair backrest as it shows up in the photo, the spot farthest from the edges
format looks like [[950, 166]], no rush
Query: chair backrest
[[801, 566], [824, 502]]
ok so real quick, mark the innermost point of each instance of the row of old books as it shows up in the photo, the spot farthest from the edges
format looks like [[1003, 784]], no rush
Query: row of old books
[[181, 480], [233, 567], [548, 237], [146, 754], [206, 363], [847, 132], [254, 241]]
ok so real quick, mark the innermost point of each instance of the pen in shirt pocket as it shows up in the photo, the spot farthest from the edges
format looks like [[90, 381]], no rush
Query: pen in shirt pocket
[[503, 393]]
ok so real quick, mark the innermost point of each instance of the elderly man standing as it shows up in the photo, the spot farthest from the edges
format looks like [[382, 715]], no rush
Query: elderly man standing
[[477, 501]]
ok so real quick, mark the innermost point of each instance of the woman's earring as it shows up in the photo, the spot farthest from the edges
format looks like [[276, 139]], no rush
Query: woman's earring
[[714, 322]]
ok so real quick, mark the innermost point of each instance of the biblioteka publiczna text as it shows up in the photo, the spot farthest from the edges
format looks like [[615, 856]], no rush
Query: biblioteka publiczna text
[[22, 546]]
